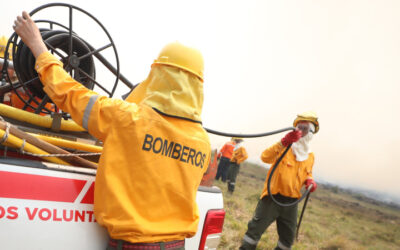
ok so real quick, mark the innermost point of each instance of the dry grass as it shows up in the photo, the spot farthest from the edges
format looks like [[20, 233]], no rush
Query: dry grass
[[333, 219]]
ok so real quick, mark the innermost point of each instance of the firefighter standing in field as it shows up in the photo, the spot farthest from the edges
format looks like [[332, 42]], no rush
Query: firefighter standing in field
[[239, 155], [155, 148], [294, 170], [224, 156]]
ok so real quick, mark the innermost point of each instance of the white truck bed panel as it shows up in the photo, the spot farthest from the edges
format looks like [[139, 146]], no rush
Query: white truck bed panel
[[42, 218]]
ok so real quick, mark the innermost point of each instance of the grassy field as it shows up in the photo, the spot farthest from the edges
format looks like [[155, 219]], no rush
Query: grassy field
[[334, 219]]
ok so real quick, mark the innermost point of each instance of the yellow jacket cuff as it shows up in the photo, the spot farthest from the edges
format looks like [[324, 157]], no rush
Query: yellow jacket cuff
[[44, 60]]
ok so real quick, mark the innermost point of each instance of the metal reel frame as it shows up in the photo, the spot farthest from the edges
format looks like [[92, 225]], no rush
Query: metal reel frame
[[71, 61]]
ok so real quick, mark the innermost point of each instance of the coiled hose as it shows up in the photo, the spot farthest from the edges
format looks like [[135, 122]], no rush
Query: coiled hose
[[80, 65]]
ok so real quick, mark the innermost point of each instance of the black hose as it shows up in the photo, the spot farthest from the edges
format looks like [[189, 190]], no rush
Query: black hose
[[269, 183], [276, 163], [301, 216], [28, 79], [58, 39], [247, 135]]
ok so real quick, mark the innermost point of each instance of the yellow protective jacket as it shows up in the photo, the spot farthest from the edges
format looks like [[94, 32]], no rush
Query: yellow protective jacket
[[239, 155], [290, 174], [152, 160]]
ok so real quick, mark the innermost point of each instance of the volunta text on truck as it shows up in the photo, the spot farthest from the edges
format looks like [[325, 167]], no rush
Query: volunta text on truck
[[50, 206]]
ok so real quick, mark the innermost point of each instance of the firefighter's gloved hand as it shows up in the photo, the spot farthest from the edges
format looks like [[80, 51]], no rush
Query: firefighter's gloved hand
[[291, 137], [309, 182]]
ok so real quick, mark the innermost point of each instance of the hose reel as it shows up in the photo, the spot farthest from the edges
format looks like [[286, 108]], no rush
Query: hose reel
[[24, 61], [78, 56]]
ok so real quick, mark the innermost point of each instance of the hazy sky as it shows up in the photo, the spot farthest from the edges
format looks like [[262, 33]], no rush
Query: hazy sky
[[266, 61]]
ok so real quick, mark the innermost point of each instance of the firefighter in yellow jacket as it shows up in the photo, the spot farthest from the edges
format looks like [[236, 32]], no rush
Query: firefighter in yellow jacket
[[294, 171], [155, 149], [239, 155]]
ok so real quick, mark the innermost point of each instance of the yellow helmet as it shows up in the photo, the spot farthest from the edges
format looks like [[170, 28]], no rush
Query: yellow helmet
[[186, 58], [3, 45], [308, 116]]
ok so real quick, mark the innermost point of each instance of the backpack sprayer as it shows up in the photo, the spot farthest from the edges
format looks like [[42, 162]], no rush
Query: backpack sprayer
[[78, 57]]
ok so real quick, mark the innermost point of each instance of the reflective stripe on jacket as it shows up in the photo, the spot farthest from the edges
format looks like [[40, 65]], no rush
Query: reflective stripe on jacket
[[290, 174], [239, 155], [151, 164]]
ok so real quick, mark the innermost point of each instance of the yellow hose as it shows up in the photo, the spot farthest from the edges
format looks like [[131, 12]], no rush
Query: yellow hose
[[17, 143], [7, 144], [69, 144], [38, 120]]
